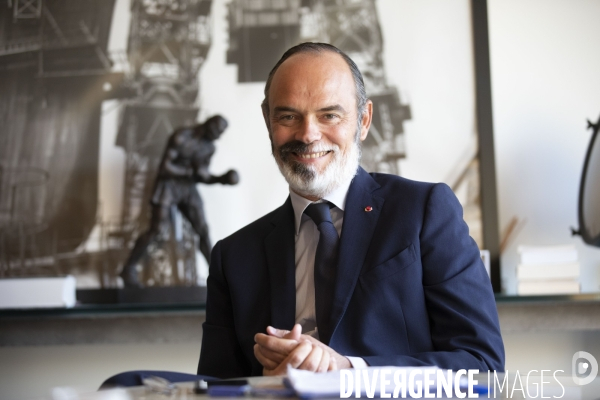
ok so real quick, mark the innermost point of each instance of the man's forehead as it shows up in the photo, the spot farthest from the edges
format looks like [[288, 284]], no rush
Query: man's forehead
[[316, 71], [323, 61], [318, 57]]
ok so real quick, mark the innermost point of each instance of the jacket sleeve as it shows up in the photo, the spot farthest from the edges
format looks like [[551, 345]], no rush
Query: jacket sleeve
[[460, 303], [221, 355]]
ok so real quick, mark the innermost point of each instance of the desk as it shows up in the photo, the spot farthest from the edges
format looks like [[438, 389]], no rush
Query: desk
[[98, 338], [185, 391]]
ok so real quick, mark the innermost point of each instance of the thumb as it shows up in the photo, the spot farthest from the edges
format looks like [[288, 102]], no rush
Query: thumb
[[295, 333]]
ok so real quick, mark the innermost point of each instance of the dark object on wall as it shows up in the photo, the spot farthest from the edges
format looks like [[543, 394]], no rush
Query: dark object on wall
[[589, 191], [184, 163], [56, 70]]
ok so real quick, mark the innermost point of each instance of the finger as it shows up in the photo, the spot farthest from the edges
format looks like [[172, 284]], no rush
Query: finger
[[313, 360], [264, 361], [341, 361], [315, 342], [325, 360], [271, 355], [294, 359], [278, 345], [280, 333], [332, 364], [297, 356]]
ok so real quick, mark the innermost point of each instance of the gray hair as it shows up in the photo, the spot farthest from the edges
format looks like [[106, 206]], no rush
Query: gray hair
[[309, 47]]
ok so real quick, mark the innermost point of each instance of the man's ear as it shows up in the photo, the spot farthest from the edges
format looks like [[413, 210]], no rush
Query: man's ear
[[367, 117]]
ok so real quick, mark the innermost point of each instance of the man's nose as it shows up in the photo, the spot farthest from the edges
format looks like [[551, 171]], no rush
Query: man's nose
[[308, 131]]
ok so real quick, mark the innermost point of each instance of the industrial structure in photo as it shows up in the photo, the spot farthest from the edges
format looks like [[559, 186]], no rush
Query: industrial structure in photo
[[55, 72]]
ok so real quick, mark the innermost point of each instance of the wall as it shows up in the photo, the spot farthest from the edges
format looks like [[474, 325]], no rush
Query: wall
[[545, 85], [545, 82]]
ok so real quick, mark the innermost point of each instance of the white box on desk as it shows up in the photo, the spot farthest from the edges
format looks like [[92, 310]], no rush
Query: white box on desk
[[38, 292]]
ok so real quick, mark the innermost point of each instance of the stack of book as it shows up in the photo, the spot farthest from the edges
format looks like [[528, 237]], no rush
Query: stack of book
[[548, 270], [38, 292]]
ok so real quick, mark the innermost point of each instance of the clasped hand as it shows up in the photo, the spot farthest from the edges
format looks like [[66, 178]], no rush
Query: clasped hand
[[280, 348]]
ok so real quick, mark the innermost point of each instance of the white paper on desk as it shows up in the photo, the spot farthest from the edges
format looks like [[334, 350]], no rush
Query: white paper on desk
[[310, 384]]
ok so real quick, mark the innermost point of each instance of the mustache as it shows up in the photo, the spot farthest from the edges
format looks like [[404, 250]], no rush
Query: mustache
[[296, 146]]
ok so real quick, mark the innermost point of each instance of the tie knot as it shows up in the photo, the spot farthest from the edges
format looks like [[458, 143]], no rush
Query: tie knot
[[319, 212]]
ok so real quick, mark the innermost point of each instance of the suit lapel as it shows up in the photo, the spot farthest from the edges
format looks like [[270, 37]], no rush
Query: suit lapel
[[280, 251], [357, 232]]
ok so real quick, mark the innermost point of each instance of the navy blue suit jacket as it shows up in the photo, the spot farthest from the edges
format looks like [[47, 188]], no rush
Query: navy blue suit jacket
[[411, 287]]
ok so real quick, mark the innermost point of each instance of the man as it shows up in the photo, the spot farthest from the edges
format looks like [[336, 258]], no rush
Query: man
[[185, 163], [403, 284]]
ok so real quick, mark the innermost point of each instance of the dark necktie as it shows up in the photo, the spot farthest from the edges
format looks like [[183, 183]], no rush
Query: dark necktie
[[325, 266]]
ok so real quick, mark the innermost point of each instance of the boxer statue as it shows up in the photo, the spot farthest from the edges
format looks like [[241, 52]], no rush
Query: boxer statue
[[184, 164]]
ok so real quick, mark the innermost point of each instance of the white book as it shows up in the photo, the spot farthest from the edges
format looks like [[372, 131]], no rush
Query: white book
[[561, 254], [38, 292], [548, 287], [527, 272]]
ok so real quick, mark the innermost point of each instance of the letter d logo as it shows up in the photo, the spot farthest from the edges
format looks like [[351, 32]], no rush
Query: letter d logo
[[584, 368]]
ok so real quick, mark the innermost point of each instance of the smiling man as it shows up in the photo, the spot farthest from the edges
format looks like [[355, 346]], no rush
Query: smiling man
[[354, 269]]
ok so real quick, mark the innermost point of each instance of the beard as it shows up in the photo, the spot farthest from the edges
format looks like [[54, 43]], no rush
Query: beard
[[307, 180]]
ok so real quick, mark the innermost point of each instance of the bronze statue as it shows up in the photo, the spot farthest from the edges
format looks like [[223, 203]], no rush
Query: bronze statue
[[184, 164]]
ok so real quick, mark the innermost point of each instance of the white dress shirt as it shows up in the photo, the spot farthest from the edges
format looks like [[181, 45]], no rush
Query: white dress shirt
[[307, 239]]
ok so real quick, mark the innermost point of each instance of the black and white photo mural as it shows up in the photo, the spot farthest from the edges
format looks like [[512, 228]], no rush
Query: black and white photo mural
[[90, 90]]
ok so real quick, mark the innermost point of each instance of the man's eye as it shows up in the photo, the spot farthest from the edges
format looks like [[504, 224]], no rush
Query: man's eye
[[286, 117], [330, 116]]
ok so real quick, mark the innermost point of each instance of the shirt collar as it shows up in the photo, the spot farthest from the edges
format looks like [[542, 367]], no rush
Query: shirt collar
[[337, 197]]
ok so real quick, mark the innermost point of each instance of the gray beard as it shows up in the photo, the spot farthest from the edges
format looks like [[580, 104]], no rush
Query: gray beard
[[306, 180]]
